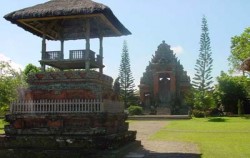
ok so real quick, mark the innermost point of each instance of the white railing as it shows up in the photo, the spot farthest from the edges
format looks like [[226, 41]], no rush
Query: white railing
[[65, 106], [56, 106]]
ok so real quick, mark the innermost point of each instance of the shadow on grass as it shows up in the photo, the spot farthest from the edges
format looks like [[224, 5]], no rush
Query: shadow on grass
[[173, 155], [246, 117], [217, 119], [142, 152]]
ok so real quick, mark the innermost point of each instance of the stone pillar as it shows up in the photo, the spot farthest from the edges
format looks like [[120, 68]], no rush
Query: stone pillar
[[101, 54], [87, 33], [172, 83], [156, 84]]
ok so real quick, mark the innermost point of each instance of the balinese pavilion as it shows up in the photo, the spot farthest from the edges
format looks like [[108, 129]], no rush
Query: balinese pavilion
[[72, 112]]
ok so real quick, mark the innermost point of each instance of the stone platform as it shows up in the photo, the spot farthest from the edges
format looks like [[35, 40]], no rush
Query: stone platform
[[65, 135], [30, 146], [66, 124]]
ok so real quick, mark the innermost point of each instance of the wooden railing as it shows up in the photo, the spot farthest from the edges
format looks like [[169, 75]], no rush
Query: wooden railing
[[65, 106], [73, 55], [53, 55], [76, 54], [80, 54]]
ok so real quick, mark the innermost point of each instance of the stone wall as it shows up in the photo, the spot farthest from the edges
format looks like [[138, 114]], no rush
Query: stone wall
[[69, 85], [64, 124]]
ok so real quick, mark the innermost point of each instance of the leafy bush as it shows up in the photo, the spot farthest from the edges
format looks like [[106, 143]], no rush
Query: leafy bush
[[198, 113], [203, 102], [230, 89], [135, 110], [11, 82], [212, 112]]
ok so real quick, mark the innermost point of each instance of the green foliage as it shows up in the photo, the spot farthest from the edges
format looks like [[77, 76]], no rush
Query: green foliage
[[203, 80], [126, 78], [203, 102], [211, 112], [30, 68], [203, 67], [135, 110], [240, 49], [11, 82], [231, 89], [189, 97], [215, 137]]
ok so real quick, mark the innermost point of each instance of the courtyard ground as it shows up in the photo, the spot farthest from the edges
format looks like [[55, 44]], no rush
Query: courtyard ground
[[159, 149]]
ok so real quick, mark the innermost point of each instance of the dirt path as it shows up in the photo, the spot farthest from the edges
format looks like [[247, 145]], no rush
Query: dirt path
[[159, 149]]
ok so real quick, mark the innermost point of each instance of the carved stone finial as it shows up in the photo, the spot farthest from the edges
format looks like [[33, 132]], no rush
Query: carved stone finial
[[164, 46]]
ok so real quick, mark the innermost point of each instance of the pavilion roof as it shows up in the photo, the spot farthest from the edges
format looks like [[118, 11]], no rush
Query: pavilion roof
[[66, 20]]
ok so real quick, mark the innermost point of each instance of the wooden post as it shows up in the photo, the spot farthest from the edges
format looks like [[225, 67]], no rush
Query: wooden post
[[101, 54], [62, 49], [87, 64], [43, 51]]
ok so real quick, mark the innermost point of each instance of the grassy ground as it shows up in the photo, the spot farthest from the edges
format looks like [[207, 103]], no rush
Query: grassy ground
[[225, 137]]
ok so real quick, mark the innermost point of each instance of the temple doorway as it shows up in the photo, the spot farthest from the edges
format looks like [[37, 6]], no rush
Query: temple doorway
[[164, 89]]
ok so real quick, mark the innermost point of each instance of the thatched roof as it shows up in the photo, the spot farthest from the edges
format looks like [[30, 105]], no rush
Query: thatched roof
[[66, 19], [246, 64]]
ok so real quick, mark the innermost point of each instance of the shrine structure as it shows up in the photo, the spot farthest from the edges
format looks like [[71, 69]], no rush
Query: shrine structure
[[73, 112], [164, 83]]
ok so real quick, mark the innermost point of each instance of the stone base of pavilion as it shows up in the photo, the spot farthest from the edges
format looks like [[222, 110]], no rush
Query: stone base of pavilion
[[69, 153], [66, 128], [76, 146], [66, 135]]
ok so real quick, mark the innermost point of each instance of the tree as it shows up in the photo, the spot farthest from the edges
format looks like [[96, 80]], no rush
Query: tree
[[10, 83], [240, 49], [126, 78], [231, 90], [203, 80], [30, 68]]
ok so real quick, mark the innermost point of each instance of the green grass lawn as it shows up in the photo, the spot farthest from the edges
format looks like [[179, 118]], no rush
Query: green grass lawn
[[227, 137]]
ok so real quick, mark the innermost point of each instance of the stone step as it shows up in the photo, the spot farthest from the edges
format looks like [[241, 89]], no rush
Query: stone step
[[163, 111]]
